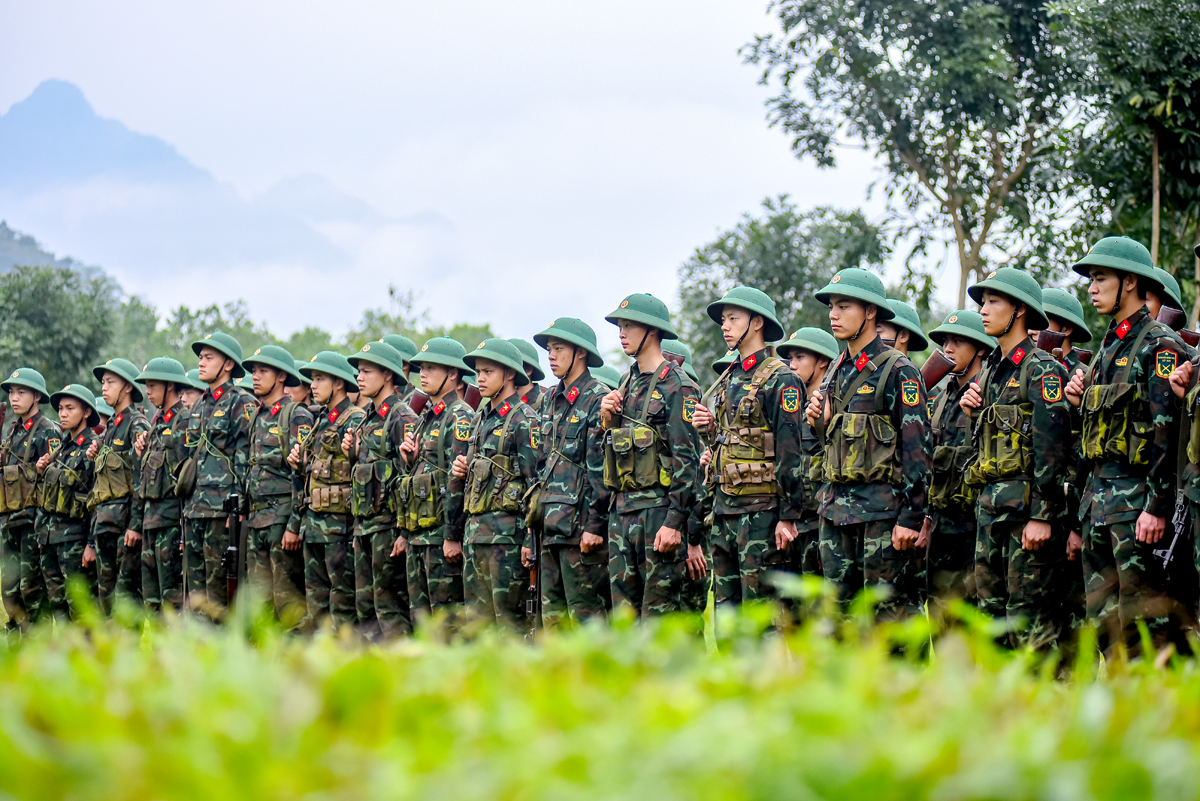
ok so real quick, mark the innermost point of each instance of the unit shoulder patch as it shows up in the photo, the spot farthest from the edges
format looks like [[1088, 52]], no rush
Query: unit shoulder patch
[[689, 409], [55, 443], [462, 430], [1051, 388], [910, 392], [535, 437], [1164, 363], [302, 432], [789, 399]]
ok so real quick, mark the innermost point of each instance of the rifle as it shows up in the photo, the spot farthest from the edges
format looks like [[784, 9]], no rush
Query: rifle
[[935, 369], [418, 402], [674, 358], [533, 604], [472, 396], [1051, 342], [235, 554], [1171, 318], [1085, 356], [3, 414]]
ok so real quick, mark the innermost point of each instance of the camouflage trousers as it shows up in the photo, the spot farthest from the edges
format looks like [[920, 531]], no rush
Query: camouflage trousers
[[694, 596], [61, 563], [1024, 587], [276, 574], [434, 582], [10, 575], [642, 579], [162, 567], [743, 553], [1127, 582], [574, 584], [496, 585], [329, 582], [859, 555], [805, 552], [380, 587], [951, 561], [33, 587], [206, 539]]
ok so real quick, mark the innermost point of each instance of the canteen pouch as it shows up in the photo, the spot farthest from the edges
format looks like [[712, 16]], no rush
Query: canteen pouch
[[1115, 424], [748, 462], [114, 479], [185, 478], [947, 487], [631, 460], [155, 476], [20, 487], [406, 513], [367, 495], [60, 492], [861, 449]]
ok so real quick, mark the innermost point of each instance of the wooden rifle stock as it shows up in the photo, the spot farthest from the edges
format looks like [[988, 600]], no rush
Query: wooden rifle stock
[[419, 401], [1051, 341], [935, 369], [1085, 356], [674, 358], [1171, 318], [1190, 337], [473, 398]]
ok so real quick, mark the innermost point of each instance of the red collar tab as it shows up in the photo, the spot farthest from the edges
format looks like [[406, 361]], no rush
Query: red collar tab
[[441, 407], [1017, 355], [505, 409], [573, 394], [29, 424], [218, 392], [117, 420], [169, 415], [1123, 329], [275, 409], [861, 361], [663, 372], [383, 409], [333, 416], [80, 439], [524, 399], [752, 360]]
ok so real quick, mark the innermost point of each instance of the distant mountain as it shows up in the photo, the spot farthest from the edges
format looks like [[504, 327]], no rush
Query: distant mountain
[[18, 249]]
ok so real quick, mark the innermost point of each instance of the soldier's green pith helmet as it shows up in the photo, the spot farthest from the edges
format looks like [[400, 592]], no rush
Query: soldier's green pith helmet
[[165, 369], [1061, 304], [966, 324], [720, 364], [1174, 296], [645, 309], [1018, 285], [333, 364], [529, 356], [608, 376], [30, 379], [194, 378], [816, 340], [298, 363], [1118, 253], [573, 331], [857, 283], [906, 317], [677, 347], [754, 301], [225, 344], [80, 393], [126, 371], [384, 355], [500, 351], [444, 351], [278, 358], [246, 383], [103, 409], [403, 345]]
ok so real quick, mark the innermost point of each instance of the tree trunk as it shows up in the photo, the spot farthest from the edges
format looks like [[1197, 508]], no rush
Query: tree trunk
[[964, 278], [1154, 203]]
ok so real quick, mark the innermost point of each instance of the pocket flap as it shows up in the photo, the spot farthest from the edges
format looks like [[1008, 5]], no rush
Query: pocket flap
[[882, 428], [643, 437], [854, 425], [621, 439]]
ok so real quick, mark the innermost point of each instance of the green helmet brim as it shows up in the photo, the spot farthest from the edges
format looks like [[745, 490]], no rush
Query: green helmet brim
[[136, 394], [1079, 330], [21, 382], [772, 330], [944, 330], [542, 339], [292, 378], [1084, 265], [1036, 318], [93, 418], [201, 344], [166, 378], [666, 329], [429, 357], [380, 361], [857, 293], [348, 379], [498, 358]]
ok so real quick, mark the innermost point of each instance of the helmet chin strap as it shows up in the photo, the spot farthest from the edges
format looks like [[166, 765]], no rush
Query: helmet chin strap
[[1120, 289], [1011, 321], [641, 344], [863, 325]]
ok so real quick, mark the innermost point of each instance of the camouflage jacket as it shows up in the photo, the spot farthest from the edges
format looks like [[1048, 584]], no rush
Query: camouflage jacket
[[950, 427], [524, 444], [700, 522], [1114, 491], [669, 412], [54, 529], [782, 399], [1072, 363], [28, 441], [218, 437], [379, 440], [535, 399], [443, 427], [331, 426], [904, 401], [573, 494], [272, 485], [116, 516], [160, 460], [1041, 498]]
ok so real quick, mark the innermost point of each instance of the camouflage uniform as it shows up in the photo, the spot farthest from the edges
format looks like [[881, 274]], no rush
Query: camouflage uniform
[[857, 516], [759, 408], [952, 530], [495, 582], [694, 596], [643, 579], [574, 501], [24, 589], [381, 582], [434, 582], [217, 437], [1019, 484], [328, 560], [116, 466], [1074, 592], [806, 550], [62, 521], [272, 487], [156, 511]]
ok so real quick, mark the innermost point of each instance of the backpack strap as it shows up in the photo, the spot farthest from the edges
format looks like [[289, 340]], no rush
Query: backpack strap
[[885, 361], [887, 367]]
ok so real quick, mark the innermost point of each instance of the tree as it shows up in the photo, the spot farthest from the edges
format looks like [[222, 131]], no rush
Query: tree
[[786, 253], [961, 98]]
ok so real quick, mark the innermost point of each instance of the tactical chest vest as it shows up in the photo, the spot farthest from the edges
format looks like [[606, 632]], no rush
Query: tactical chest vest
[[1116, 417], [861, 447], [160, 462], [114, 471], [329, 482], [493, 482], [20, 480], [745, 453], [634, 457], [62, 486], [420, 498], [371, 479], [1004, 435], [948, 488]]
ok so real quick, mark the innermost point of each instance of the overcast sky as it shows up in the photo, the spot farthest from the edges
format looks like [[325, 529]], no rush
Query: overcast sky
[[570, 153]]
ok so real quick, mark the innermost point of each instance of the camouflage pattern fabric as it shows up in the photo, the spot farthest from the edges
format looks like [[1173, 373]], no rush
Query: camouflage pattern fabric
[[1022, 586], [218, 436], [206, 539], [524, 441], [61, 563], [434, 582], [120, 569], [574, 584], [329, 583], [743, 553], [496, 584], [806, 551], [27, 442], [642, 579], [277, 574], [534, 398], [162, 567], [951, 553], [330, 428], [10, 576], [859, 555], [444, 425], [33, 586], [164, 451], [52, 530]]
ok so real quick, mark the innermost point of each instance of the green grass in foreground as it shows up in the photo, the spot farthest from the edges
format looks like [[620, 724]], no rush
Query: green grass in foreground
[[182, 709]]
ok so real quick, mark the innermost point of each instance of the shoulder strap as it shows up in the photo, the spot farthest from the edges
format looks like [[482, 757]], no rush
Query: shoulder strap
[[887, 367], [1137, 346], [662, 370], [285, 428], [887, 358]]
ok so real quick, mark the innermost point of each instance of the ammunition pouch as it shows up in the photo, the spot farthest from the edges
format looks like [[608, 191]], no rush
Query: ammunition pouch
[[632, 460], [60, 492], [861, 448], [156, 476], [1005, 445], [114, 477], [534, 503], [747, 462], [948, 488], [418, 502], [1116, 423], [493, 486], [329, 479], [369, 494], [20, 486]]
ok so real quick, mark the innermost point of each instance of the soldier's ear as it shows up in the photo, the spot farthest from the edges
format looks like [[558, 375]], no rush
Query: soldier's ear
[[870, 311]]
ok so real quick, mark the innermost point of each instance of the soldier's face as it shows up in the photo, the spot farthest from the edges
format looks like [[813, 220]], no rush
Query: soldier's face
[[113, 387], [803, 364], [631, 335], [297, 394], [960, 351], [490, 377], [22, 400], [156, 391], [846, 316], [1103, 290], [189, 396], [892, 333], [1154, 303], [323, 386], [562, 357], [212, 363], [997, 312], [70, 413], [371, 379], [434, 378], [264, 379], [735, 321]]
